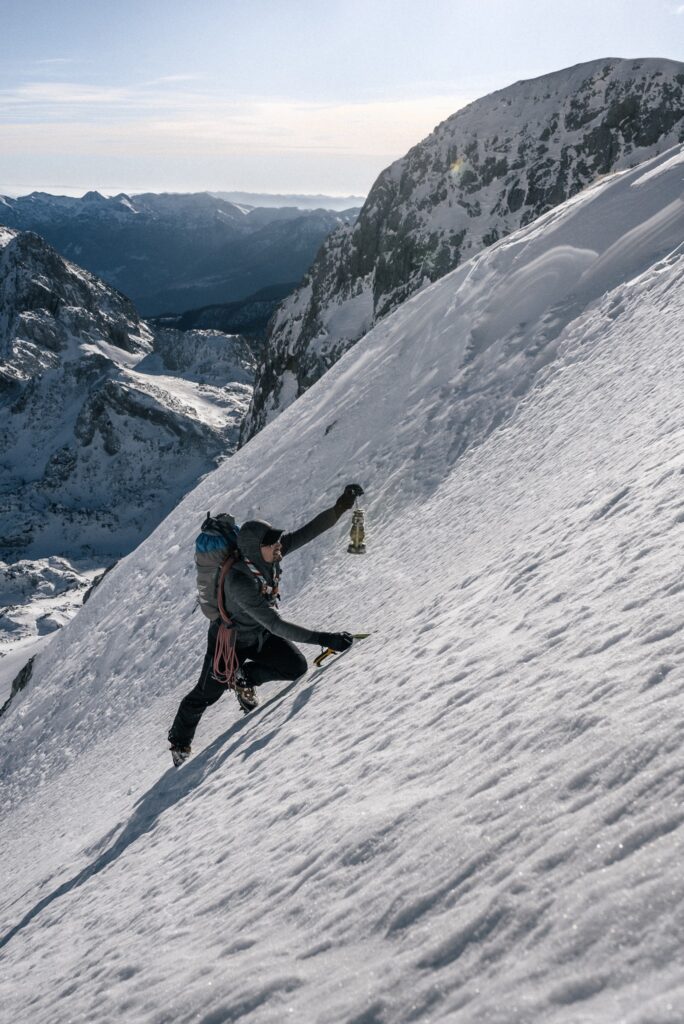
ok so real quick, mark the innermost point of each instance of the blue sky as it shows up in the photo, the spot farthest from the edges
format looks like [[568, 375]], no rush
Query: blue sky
[[274, 95]]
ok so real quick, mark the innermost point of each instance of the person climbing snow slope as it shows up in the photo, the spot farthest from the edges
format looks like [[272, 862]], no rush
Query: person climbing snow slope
[[263, 639]]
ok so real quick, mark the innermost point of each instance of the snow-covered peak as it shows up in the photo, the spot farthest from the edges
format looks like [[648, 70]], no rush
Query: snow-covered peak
[[475, 814], [490, 168], [35, 280], [575, 78]]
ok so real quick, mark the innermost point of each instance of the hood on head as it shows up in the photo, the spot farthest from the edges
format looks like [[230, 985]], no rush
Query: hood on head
[[250, 537]]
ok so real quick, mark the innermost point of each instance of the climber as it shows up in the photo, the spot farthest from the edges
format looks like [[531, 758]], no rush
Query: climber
[[264, 646]]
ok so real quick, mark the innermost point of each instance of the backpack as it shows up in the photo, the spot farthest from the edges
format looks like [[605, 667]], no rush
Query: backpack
[[216, 543], [215, 554]]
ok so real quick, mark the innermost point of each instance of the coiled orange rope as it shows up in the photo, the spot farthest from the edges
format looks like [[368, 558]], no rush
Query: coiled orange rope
[[226, 661]]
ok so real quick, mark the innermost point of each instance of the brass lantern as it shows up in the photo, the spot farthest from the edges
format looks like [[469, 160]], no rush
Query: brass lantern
[[357, 533]]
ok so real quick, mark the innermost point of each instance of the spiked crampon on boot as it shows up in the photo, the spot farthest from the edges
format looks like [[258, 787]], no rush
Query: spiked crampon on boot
[[180, 754], [245, 693]]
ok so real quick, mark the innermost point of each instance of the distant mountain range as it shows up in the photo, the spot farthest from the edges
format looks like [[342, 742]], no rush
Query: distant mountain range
[[301, 202], [169, 253], [492, 167]]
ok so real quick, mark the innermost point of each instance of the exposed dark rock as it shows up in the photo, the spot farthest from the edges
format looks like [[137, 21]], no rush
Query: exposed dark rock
[[20, 682]]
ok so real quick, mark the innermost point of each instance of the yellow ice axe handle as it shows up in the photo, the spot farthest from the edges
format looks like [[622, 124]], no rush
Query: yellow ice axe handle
[[328, 651]]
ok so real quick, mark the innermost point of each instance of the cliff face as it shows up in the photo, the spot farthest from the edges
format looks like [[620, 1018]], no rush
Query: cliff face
[[491, 168]]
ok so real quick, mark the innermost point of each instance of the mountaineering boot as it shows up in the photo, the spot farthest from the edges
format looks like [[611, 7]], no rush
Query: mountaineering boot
[[246, 697], [245, 693], [180, 754]]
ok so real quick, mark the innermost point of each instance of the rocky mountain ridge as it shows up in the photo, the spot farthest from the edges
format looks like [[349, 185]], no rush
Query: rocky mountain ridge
[[106, 424], [489, 169], [172, 252]]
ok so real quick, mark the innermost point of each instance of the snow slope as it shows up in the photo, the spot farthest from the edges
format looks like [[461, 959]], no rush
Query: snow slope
[[475, 816]]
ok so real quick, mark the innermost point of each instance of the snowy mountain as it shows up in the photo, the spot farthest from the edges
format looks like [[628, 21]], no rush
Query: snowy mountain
[[474, 816], [490, 168], [173, 252], [105, 426]]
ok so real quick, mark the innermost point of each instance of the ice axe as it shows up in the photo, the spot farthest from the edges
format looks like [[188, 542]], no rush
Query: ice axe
[[328, 652]]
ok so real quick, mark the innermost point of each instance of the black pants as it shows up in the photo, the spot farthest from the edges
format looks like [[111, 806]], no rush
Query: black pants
[[277, 659]]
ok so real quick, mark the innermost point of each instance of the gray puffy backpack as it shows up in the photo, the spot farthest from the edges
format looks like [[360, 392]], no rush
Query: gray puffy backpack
[[216, 543]]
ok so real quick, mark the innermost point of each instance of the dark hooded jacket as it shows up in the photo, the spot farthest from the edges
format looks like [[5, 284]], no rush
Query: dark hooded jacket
[[249, 609]]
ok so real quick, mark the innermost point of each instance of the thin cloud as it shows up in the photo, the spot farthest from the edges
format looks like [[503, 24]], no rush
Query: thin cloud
[[58, 94], [65, 102], [177, 78], [162, 115], [57, 60], [251, 127], [269, 127]]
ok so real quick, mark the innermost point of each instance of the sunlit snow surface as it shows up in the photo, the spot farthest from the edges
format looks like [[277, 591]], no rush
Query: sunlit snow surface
[[475, 816]]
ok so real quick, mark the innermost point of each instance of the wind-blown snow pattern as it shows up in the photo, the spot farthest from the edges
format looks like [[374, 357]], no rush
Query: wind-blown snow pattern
[[475, 815]]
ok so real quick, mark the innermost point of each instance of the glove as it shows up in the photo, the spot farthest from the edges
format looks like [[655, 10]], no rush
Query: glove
[[335, 641], [348, 497]]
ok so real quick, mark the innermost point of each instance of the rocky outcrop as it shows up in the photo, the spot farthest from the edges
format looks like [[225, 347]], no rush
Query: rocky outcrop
[[20, 682], [492, 167], [106, 422]]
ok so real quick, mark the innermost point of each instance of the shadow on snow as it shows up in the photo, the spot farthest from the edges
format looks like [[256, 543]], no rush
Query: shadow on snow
[[172, 787]]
